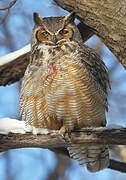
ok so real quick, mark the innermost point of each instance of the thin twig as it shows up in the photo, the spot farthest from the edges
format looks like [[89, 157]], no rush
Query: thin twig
[[5, 17], [9, 6], [8, 10]]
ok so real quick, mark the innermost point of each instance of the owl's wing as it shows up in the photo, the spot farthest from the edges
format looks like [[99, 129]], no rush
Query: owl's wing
[[33, 103], [97, 70], [30, 94]]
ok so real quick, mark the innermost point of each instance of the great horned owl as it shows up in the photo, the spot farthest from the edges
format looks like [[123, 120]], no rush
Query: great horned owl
[[65, 85]]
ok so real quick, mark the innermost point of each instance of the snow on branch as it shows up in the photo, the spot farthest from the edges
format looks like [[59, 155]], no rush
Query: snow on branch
[[110, 135], [14, 134], [14, 55], [8, 125], [13, 65]]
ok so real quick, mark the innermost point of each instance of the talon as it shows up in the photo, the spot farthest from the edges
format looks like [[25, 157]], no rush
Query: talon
[[63, 131], [63, 136]]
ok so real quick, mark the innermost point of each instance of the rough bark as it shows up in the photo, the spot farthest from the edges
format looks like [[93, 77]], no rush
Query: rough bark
[[107, 18], [56, 143], [55, 140], [14, 70]]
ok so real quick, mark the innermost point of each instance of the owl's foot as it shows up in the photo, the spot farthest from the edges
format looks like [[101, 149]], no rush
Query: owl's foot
[[63, 131]]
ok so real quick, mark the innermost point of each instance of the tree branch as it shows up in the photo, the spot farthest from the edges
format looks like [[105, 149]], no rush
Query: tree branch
[[9, 6], [13, 66], [55, 142], [13, 71]]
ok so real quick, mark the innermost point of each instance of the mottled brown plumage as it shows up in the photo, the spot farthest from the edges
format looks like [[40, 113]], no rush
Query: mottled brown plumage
[[65, 84]]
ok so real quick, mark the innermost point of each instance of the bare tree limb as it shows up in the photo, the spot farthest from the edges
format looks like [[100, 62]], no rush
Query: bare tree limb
[[54, 139], [13, 71], [13, 65], [9, 6], [8, 10], [55, 142], [5, 17]]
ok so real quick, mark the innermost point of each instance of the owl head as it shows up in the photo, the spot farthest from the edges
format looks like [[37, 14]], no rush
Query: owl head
[[55, 31]]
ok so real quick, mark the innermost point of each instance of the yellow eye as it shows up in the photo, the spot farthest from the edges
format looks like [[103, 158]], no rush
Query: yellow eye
[[42, 35], [64, 31], [67, 32]]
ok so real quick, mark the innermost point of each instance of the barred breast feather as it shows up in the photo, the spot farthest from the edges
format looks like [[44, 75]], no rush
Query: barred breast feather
[[68, 87]]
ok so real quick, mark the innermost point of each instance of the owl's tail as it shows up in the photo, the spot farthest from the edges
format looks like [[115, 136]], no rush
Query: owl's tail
[[95, 157]]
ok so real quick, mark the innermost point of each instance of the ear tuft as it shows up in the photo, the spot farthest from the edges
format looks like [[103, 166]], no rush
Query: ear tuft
[[37, 18], [69, 18]]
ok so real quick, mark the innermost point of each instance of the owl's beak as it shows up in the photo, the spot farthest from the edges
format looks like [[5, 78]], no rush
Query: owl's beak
[[54, 39]]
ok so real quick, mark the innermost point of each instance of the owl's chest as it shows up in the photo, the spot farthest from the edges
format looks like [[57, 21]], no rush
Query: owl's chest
[[61, 70], [65, 90], [55, 65]]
